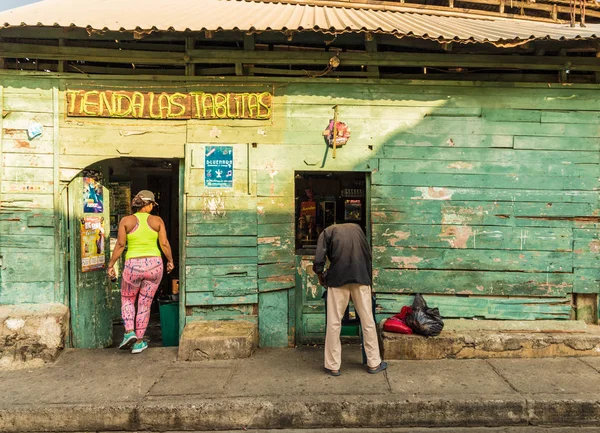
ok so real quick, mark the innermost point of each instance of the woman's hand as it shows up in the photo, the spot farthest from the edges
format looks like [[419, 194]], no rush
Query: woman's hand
[[111, 272], [170, 267]]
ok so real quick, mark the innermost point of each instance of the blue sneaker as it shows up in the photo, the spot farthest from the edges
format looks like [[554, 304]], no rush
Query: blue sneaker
[[139, 347], [128, 340]]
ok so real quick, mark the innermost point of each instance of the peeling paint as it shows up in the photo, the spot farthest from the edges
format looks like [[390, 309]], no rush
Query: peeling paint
[[434, 193], [274, 241], [594, 246], [214, 206], [460, 165], [408, 262], [457, 236]]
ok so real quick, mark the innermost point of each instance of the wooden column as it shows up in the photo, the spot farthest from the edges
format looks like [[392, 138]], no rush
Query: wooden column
[[190, 68], [61, 63], [371, 47]]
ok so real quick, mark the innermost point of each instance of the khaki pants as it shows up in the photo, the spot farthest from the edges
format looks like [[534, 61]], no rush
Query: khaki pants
[[337, 301]]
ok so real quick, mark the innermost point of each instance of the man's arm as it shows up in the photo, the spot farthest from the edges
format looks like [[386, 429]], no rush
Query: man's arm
[[320, 256]]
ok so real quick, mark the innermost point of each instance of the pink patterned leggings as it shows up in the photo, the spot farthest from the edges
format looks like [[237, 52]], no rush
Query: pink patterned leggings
[[140, 277]]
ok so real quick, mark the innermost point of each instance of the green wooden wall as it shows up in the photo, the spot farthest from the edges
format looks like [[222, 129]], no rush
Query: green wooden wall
[[484, 197], [29, 272]]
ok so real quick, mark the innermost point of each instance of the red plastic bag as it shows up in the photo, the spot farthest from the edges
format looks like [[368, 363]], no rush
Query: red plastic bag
[[403, 312], [396, 325]]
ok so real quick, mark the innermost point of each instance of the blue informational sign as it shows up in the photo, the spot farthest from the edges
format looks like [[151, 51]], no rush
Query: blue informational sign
[[218, 167]]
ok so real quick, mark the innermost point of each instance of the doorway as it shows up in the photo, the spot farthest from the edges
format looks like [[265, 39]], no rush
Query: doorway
[[322, 199], [95, 301]]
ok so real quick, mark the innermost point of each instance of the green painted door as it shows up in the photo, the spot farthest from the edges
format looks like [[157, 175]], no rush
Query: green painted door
[[310, 307], [90, 291]]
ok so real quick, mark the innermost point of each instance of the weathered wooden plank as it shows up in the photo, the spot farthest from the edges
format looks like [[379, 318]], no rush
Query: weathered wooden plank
[[26, 241], [570, 116], [586, 280], [29, 187], [282, 231], [275, 251], [435, 167], [486, 181], [409, 139], [501, 155], [305, 149], [557, 143], [522, 308], [126, 137], [221, 252], [276, 269], [220, 261], [221, 241], [273, 319], [473, 236], [472, 283], [22, 120], [206, 298], [28, 100], [511, 115], [27, 160], [27, 175], [223, 312], [223, 286], [479, 127], [586, 253], [271, 284], [27, 266], [27, 201], [208, 218], [26, 293], [440, 212], [218, 203], [586, 234], [275, 210], [16, 141], [242, 270], [481, 194], [484, 260], [275, 183], [226, 229], [16, 224]]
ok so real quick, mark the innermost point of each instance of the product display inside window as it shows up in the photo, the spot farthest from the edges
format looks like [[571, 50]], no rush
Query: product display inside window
[[326, 198]]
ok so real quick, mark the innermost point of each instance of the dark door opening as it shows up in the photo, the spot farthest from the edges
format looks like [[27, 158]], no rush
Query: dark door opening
[[126, 177], [326, 198], [121, 179]]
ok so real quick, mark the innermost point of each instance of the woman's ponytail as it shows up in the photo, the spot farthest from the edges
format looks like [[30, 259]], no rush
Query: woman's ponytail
[[137, 203]]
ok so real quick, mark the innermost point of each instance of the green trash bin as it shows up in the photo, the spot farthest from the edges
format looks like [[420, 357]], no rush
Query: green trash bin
[[169, 322]]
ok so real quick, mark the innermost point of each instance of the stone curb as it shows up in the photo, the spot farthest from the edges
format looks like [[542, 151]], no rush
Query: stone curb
[[179, 414], [68, 418]]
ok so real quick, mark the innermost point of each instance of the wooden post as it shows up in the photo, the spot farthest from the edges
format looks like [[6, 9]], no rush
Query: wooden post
[[61, 63], [501, 6], [586, 307], [371, 47], [190, 68], [249, 45], [335, 117]]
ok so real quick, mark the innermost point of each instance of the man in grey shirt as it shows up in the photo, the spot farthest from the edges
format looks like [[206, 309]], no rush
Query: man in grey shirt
[[348, 276]]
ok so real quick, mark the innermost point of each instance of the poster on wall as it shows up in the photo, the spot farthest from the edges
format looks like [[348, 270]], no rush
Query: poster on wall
[[92, 243], [218, 167], [93, 202]]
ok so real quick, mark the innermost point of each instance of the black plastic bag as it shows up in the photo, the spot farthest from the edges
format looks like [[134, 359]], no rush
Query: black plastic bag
[[423, 320]]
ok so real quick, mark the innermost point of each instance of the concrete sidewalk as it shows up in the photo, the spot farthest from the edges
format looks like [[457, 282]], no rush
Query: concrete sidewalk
[[91, 390]]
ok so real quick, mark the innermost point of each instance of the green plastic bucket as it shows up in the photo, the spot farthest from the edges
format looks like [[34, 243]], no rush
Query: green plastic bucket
[[169, 322]]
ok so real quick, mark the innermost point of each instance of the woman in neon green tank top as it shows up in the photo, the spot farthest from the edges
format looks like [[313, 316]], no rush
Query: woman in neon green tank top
[[143, 233]]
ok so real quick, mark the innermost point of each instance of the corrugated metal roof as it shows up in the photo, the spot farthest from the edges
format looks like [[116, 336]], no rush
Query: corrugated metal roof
[[250, 16]]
